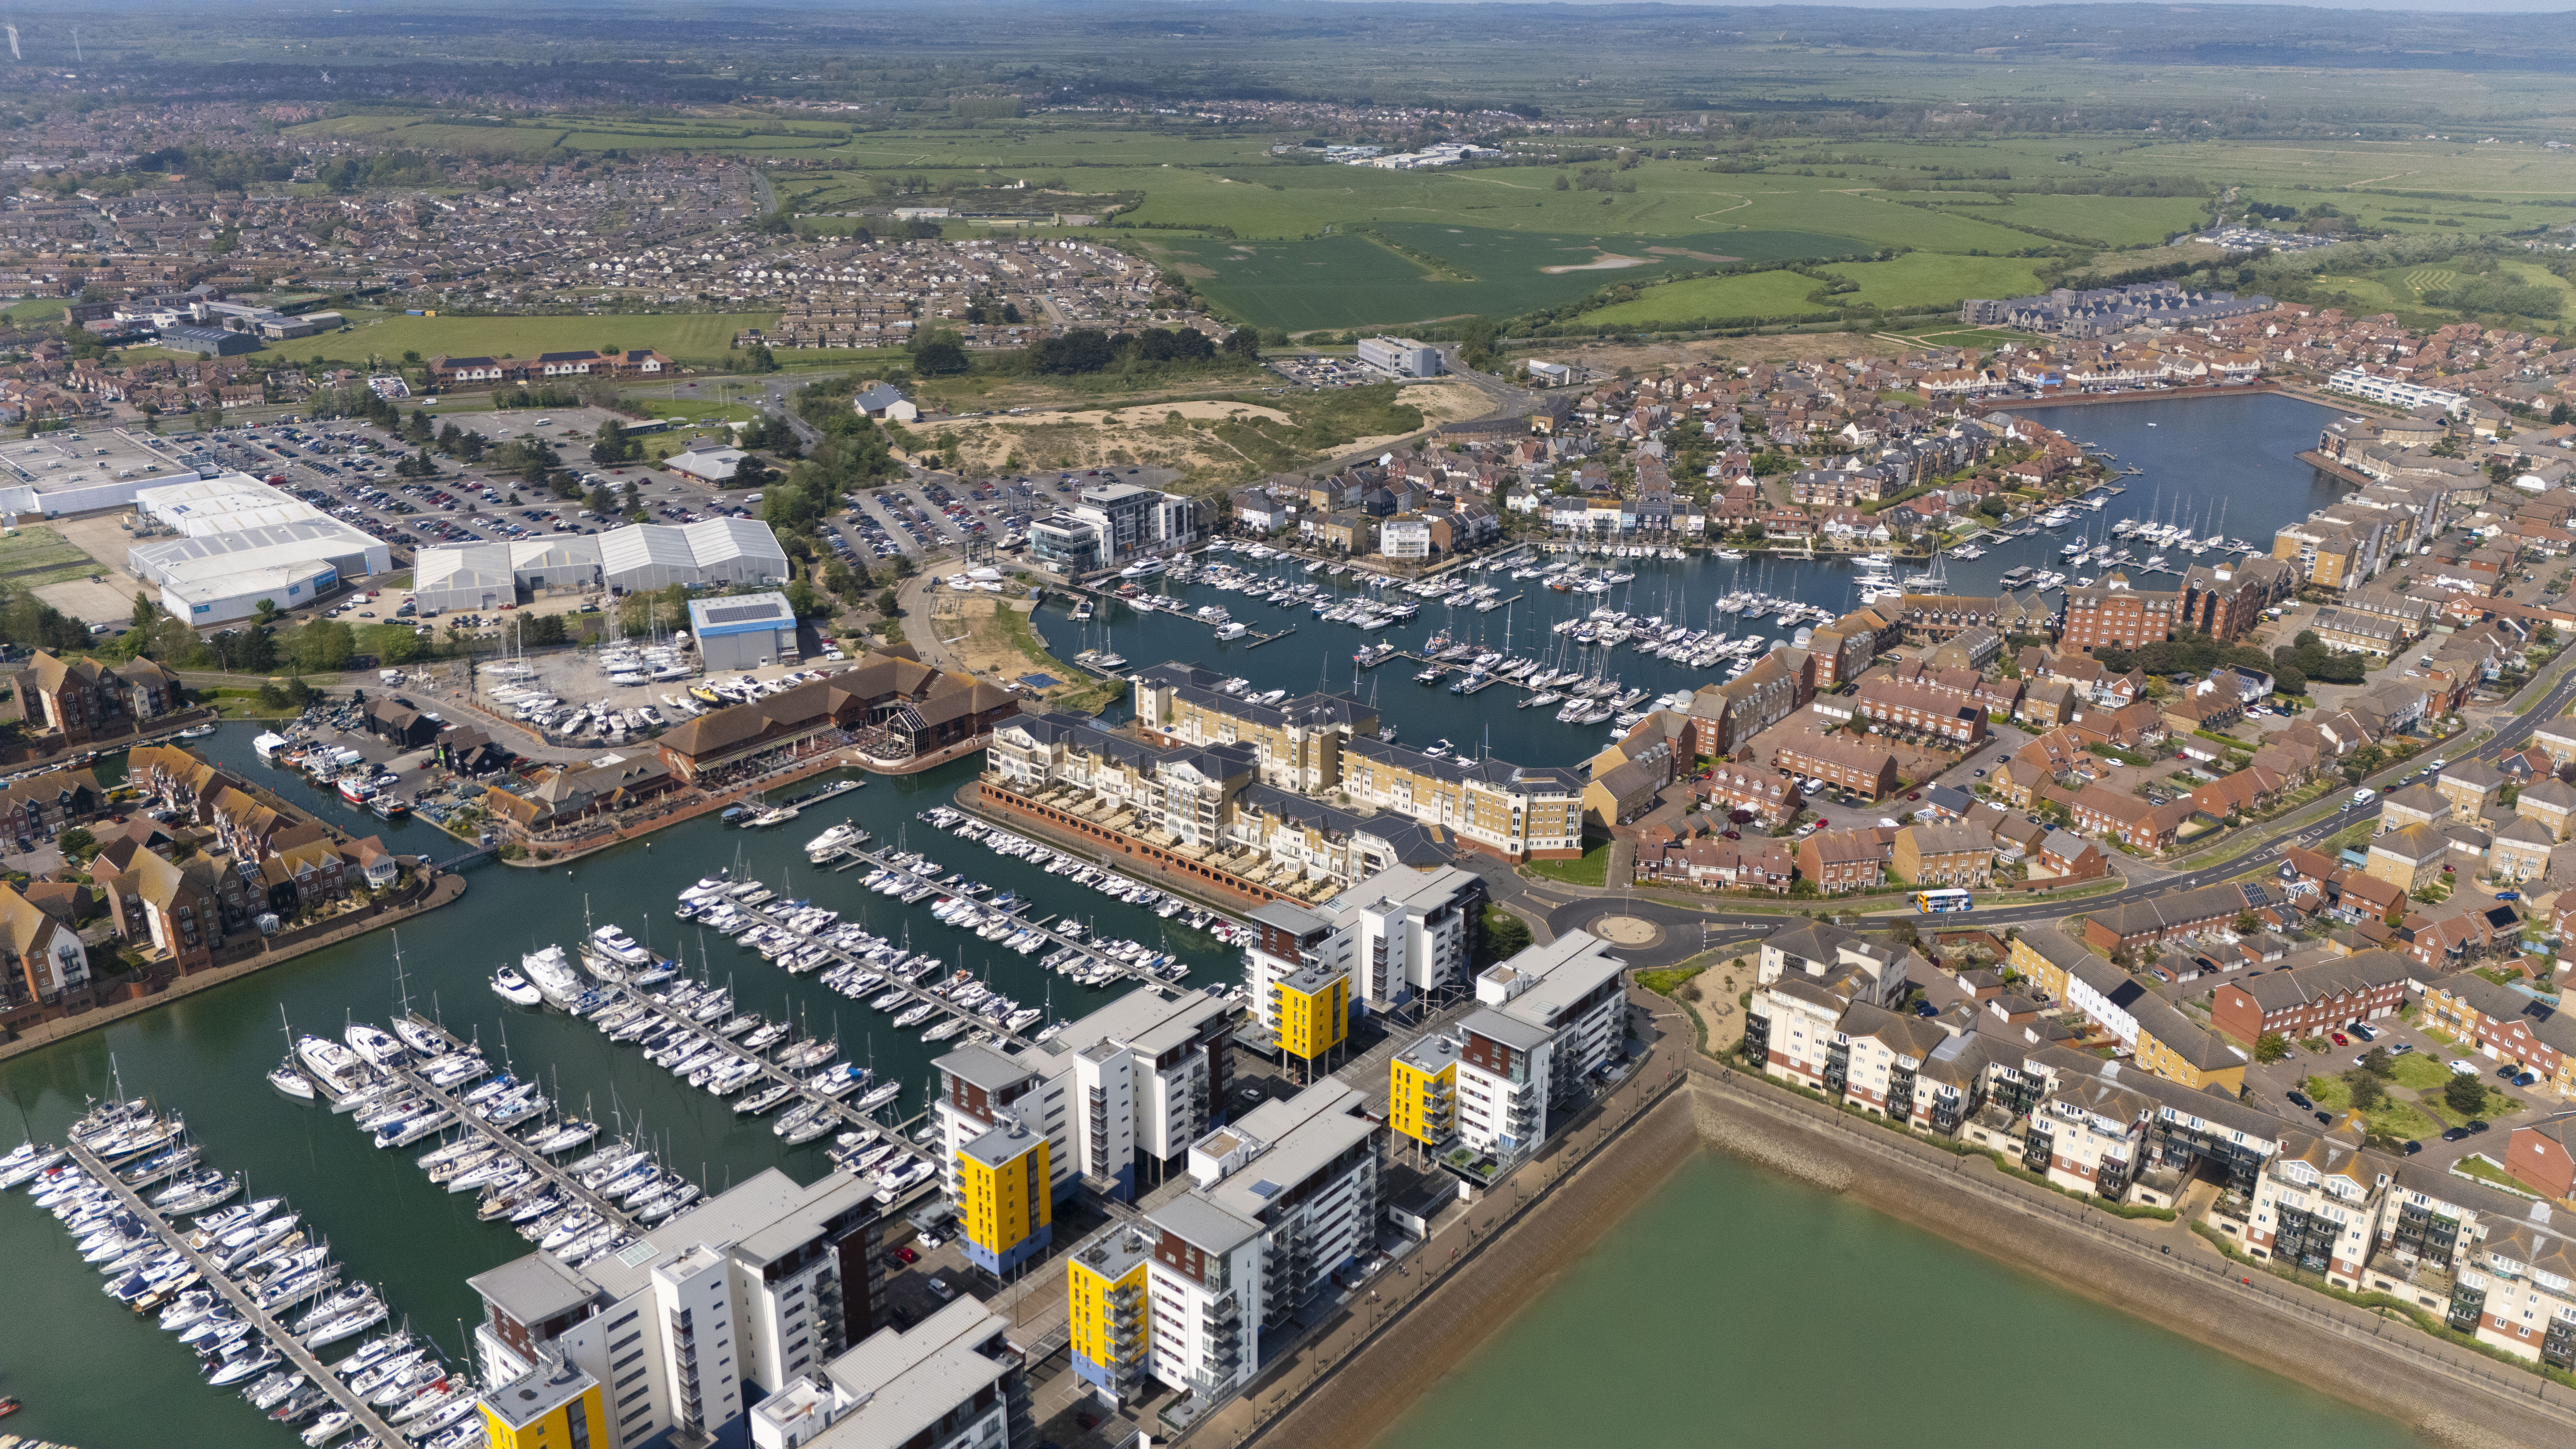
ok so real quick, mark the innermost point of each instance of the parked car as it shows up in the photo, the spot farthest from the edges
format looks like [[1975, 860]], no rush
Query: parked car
[[940, 1290], [2464, 1068]]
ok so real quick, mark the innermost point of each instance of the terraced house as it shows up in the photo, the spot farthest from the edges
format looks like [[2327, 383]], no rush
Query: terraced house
[[2314, 999]]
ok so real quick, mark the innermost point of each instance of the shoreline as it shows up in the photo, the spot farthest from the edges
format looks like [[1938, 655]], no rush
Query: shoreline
[[444, 889], [2447, 1395]]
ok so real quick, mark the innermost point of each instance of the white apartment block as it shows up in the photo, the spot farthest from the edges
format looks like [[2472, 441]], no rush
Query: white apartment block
[[1849, 966], [952, 1381], [2396, 392], [1547, 1020], [1144, 1074], [1399, 934], [773, 1278], [1284, 1199]]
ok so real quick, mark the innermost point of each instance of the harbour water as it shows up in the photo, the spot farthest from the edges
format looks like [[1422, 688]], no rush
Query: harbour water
[[1736, 1308], [2227, 462], [93, 1375]]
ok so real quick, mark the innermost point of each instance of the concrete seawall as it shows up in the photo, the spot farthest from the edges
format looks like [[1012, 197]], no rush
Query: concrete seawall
[[2449, 1395], [1358, 1382]]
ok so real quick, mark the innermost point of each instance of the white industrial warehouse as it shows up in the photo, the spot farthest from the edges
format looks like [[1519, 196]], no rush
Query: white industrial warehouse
[[241, 542], [643, 556]]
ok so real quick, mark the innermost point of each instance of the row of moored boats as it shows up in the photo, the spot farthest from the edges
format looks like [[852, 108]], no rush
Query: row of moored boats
[[265, 1253]]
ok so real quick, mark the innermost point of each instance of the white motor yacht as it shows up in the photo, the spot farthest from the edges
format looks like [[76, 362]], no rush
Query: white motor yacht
[[514, 988], [551, 973]]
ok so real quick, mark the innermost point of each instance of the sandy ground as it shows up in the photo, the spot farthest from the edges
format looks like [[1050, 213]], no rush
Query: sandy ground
[[1177, 435], [970, 632]]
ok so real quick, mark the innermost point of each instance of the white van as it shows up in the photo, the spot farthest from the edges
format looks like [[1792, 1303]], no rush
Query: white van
[[2363, 797]]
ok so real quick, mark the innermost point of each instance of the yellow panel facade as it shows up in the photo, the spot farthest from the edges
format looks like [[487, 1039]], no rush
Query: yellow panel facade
[[1313, 1023], [1424, 1104], [1093, 1312], [579, 1422], [1002, 1204]]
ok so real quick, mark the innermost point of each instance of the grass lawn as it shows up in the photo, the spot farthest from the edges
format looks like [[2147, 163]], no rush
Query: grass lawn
[[1666, 982], [1592, 869], [2421, 1072], [1922, 280], [33, 555], [2485, 1170], [2329, 1092], [1434, 270], [37, 309]]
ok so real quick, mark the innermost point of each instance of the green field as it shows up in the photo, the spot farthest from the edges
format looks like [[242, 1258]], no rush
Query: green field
[[31, 555], [1433, 271], [691, 337], [37, 309]]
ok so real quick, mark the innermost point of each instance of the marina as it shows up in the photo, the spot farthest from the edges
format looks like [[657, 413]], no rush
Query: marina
[[1607, 620], [228, 1288], [395, 1227]]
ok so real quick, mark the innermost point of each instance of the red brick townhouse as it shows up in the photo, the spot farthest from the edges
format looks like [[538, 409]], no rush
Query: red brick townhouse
[[2312, 1000], [2505, 1025]]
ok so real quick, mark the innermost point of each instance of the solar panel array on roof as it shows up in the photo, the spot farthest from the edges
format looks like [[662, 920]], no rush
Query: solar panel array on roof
[[737, 613], [2255, 895]]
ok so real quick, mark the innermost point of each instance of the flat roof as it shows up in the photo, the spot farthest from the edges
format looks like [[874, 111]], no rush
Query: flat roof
[[740, 614], [534, 1288], [908, 1381], [537, 1393]]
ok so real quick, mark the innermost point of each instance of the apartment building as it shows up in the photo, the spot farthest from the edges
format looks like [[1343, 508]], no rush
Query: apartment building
[[1499, 1079], [2505, 1025], [1296, 743], [2317, 1204], [2114, 614], [2159, 1036], [1400, 934], [1280, 1202], [756, 1286], [1107, 1334], [2485, 1259], [1514, 811], [1853, 968], [1139, 1079], [2314, 999], [952, 1381], [1005, 1195]]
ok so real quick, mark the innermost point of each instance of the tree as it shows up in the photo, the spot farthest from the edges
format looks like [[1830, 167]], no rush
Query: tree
[[2465, 1094], [2271, 1047], [939, 356], [2379, 1063], [1506, 935], [76, 842], [2368, 1095]]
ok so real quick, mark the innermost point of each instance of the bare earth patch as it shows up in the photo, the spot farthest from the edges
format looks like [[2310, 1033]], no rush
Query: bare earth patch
[[1606, 262], [1181, 435]]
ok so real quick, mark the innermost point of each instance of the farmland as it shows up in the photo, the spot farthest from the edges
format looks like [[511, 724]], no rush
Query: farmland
[[1429, 271]]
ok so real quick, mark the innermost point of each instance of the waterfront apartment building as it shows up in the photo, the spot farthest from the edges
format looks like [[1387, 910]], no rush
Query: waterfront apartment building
[[1005, 1195], [771, 1278], [1514, 811], [2112, 613], [1315, 745], [1399, 934], [1851, 967], [952, 1381], [1106, 1317], [1296, 743], [1548, 1021], [1137, 1080], [1279, 1203]]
